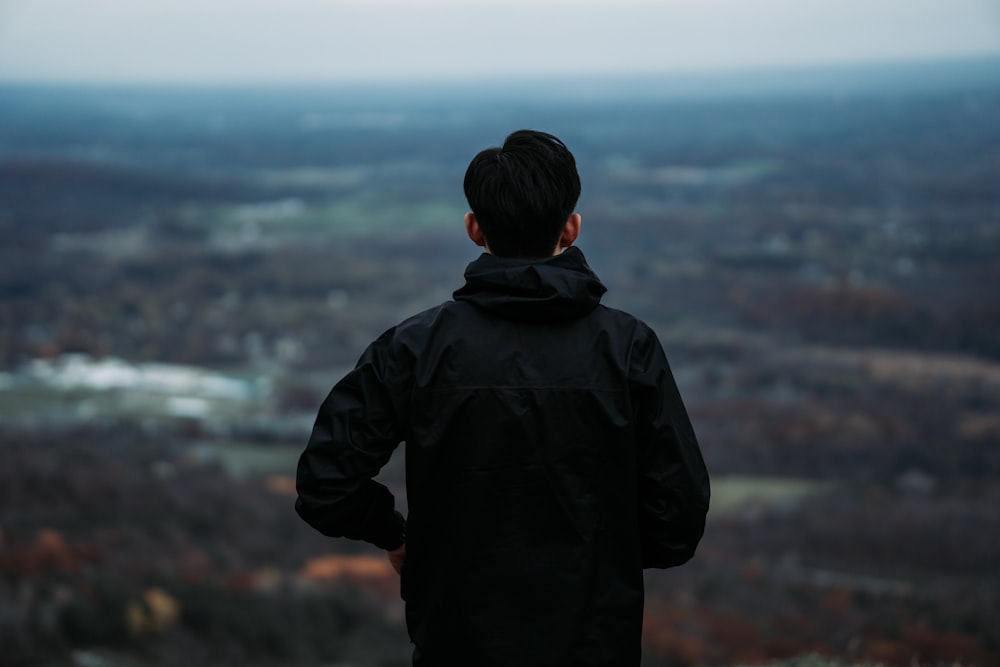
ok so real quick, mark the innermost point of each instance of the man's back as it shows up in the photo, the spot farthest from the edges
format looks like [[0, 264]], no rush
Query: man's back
[[527, 462], [549, 457]]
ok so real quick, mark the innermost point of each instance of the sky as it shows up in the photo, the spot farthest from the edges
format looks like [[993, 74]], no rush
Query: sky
[[301, 41]]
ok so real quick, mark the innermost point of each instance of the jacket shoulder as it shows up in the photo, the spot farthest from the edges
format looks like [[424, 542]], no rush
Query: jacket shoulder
[[417, 329]]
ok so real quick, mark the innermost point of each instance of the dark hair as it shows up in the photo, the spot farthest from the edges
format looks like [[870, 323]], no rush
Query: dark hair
[[522, 193]]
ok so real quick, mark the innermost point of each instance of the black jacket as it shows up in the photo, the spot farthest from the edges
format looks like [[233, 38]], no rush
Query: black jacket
[[549, 458]]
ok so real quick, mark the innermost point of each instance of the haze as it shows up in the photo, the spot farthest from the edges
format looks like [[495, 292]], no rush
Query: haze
[[258, 41]]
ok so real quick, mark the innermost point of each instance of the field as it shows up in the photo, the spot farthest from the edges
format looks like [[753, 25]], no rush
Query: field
[[185, 273]]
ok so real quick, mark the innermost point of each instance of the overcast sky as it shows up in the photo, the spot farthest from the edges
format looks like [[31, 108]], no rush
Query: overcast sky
[[242, 41]]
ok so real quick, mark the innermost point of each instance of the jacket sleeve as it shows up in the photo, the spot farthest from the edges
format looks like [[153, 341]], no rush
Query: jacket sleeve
[[354, 435], [673, 486]]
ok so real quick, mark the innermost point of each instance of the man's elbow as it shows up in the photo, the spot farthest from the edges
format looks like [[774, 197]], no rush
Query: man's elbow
[[308, 513], [677, 543]]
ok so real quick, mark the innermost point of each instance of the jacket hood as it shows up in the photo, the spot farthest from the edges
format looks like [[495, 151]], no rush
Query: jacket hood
[[551, 289]]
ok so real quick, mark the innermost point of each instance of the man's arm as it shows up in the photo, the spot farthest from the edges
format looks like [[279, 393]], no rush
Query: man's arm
[[673, 485], [354, 435]]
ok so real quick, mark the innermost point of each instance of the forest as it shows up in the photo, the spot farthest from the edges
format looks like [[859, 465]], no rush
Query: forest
[[184, 273]]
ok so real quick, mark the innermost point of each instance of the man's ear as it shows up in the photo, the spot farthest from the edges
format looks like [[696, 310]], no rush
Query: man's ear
[[474, 231], [570, 232]]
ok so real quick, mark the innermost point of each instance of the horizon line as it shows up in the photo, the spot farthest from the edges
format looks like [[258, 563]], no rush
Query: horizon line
[[528, 79]]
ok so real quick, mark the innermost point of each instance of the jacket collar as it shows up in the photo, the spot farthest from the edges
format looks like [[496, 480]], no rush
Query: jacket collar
[[551, 289]]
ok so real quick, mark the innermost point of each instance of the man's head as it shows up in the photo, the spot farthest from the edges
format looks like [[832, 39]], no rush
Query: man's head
[[522, 196]]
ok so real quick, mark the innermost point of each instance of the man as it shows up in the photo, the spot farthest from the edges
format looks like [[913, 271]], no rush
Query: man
[[549, 457]]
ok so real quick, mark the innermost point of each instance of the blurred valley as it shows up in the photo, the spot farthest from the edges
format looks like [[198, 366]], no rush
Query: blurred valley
[[184, 273]]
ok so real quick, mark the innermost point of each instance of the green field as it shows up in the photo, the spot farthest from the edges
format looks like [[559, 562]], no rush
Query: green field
[[739, 493], [247, 459]]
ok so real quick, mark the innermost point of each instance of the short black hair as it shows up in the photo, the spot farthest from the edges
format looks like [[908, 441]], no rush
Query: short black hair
[[522, 193]]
